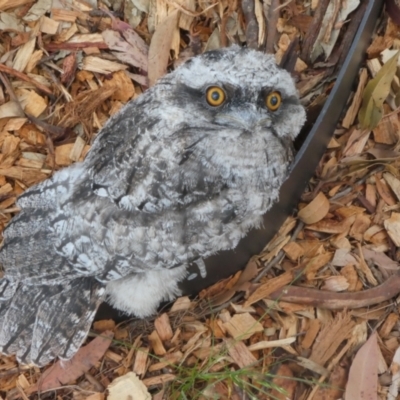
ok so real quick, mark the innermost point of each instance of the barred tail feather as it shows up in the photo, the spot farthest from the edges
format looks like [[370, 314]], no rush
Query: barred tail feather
[[40, 323]]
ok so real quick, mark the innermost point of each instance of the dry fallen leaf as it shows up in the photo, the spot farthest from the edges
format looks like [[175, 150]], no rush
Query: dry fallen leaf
[[386, 265], [133, 53], [395, 370], [159, 50], [392, 225], [363, 376], [64, 372], [375, 94]]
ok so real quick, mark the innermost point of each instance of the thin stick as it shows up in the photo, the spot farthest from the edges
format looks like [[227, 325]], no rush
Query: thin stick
[[26, 78]]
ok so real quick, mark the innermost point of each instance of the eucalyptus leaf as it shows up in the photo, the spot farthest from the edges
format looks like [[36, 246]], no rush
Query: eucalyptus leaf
[[376, 93]]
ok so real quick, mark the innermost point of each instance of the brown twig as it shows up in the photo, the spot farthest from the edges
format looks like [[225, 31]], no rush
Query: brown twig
[[75, 46], [272, 15], [26, 78], [313, 32], [334, 301], [248, 9]]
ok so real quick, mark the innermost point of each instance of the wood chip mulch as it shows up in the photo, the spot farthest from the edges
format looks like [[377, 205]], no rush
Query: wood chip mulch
[[67, 66]]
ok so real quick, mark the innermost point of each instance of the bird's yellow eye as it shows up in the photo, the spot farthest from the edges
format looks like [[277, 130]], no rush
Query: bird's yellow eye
[[215, 96], [273, 101]]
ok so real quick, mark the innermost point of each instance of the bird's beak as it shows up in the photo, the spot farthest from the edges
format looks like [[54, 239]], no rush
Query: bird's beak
[[246, 118]]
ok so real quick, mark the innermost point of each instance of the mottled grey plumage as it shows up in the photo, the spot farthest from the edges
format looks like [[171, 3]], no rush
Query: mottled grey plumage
[[169, 180]]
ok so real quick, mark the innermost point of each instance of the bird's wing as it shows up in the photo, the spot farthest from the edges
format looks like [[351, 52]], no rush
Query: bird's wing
[[94, 218]]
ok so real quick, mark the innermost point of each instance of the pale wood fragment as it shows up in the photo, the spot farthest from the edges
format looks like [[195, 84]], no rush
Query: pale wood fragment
[[66, 34], [157, 344], [332, 226], [348, 211], [360, 225], [140, 364], [23, 382], [14, 124], [315, 264], [31, 102], [272, 285], [312, 366], [126, 89], [280, 242], [352, 111], [335, 284], [168, 360], [104, 325], [210, 351], [300, 65], [216, 327], [311, 248], [23, 55], [7, 188], [10, 144], [239, 308], [308, 84], [113, 356], [374, 66], [159, 380], [392, 226], [26, 175], [11, 109], [388, 130], [180, 304], [372, 231], [293, 250], [102, 66], [33, 61], [61, 14], [62, 154], [128, 387], [77, 149], [289, 308], [49, 25], [31, 134], [7, 202], [363, 266], [350, 273], [35, 164], [96, 396], [240, 354], [87, 38], [193, 343], [333, 144], [163, 327], [385, 192], [185, 20], [334, 190], [311, 333], [391, 345], [393, 182], [331, 337], [8, 4], [242, 326], [356, 143], [370, 194], [390, 322], [269, 344], [340, 242]]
